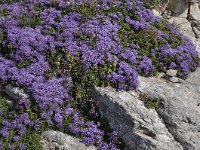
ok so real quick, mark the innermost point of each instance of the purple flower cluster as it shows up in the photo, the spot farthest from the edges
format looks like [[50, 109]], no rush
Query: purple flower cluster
[[125, 77], [146, 66], [92, 135], [42, 41], [18, 124]]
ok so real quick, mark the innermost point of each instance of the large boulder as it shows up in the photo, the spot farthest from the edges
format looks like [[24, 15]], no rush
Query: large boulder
[[179, 107], [139, 127], [175, 124]]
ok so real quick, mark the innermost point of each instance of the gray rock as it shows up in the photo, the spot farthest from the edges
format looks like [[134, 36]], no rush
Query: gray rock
[[175, 80], [139, 127], [53, 140], [172, 72], [180, 110], [156, 12], [178, 7], [175, 125], [160, 75], [14, 92], [182, 24], [196, 32], [194, 10]]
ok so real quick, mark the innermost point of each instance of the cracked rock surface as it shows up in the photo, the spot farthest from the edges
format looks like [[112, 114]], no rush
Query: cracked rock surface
[[179, 107], [175, 124]]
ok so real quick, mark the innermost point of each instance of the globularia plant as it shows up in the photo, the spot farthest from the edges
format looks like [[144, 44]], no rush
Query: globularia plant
[[58, 50]]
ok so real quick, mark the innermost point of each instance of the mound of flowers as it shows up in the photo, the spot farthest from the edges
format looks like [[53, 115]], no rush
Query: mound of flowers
[[58, 50]]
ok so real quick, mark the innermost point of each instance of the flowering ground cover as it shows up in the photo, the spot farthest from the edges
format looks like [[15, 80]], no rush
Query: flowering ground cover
[[58, 50]]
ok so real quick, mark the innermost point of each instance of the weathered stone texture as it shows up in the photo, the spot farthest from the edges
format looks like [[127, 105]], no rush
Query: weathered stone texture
[[139, 127], [54, 140], [175, 125]]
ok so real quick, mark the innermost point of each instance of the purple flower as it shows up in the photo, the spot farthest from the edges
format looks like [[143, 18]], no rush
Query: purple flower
[[146, 66], [16, 138], [22, 146], [1, 145], [58, 118], [4, 132], [172, 65], [22, 130], [69, 111], [12, 146], [37, 125]]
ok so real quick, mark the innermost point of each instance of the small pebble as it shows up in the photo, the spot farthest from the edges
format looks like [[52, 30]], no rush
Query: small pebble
[[175, 80], [171, 72]]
